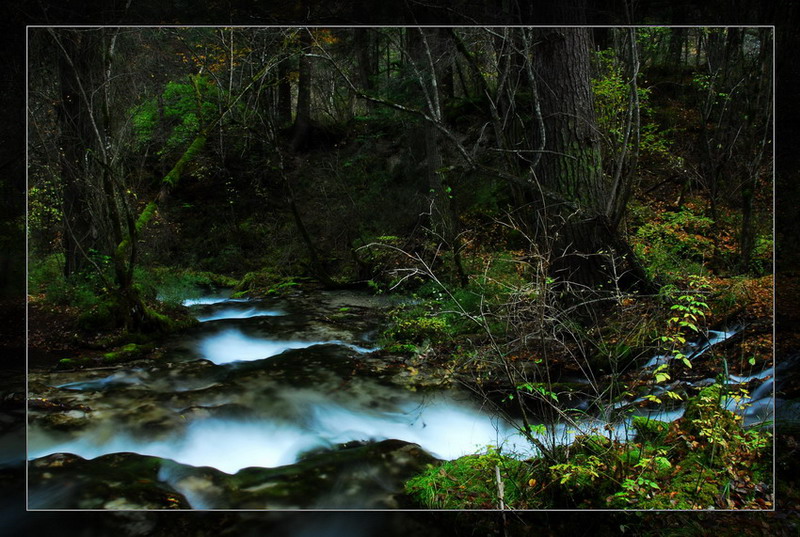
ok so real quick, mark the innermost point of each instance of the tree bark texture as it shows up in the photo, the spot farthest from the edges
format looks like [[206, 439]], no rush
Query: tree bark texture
[[577, 227], [570, 164]]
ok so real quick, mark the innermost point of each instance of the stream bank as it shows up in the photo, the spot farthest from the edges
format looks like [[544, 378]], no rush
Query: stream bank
[[265, 396]]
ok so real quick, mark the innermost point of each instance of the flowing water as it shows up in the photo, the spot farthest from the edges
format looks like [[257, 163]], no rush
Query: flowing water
[[269, 384]]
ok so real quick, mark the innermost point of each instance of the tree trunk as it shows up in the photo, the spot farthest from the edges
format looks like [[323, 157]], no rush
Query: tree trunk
[[366, 62], [75, 64], [302, 130], [677, 37], [576, 227], [427, 50], [284, 104], [571, 162]]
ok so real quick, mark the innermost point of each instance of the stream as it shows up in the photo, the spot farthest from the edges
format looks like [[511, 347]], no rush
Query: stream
[[271, 404]]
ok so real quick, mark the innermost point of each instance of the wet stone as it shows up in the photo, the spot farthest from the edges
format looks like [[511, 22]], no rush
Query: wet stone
[[116, 481], [67, 421], [375, 473]]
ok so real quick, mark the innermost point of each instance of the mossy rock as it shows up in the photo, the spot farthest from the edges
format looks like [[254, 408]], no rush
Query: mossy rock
[[257, 280], [704, 402], [164, 324], [469, 483], [73, 420], [650, 430], [115, 481], [110, 314], [126, 353], [703, 412], [694, 487], [593, 444], [265, 282], [72, 363]]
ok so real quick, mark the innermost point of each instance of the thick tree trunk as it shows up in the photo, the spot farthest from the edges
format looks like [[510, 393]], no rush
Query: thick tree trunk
[[577, 228], [570, 164]]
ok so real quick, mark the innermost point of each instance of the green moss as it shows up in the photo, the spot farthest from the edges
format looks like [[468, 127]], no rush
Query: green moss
[[131, 351], [650, 430], [594, 444], [159, 322], [67, 363], [102, 316], [469, 483], [146, 216], [695, 487], [401, 348], [265, 282], [418, 330], [174, 174]]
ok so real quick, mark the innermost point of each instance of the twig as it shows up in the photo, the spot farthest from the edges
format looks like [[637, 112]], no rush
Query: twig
[[500, 489]]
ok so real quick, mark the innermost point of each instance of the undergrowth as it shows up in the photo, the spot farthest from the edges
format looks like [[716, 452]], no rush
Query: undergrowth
[[705, 460]]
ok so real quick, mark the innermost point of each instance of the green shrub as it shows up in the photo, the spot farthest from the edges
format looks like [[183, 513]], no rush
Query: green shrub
[[418, 330], [761, 262], [674, 245], [611, 96], [265, 282], [174, 285], [46, 276], [104, 315]]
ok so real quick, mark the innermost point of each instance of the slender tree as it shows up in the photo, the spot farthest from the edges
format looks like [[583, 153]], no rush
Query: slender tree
[[78, 63]]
